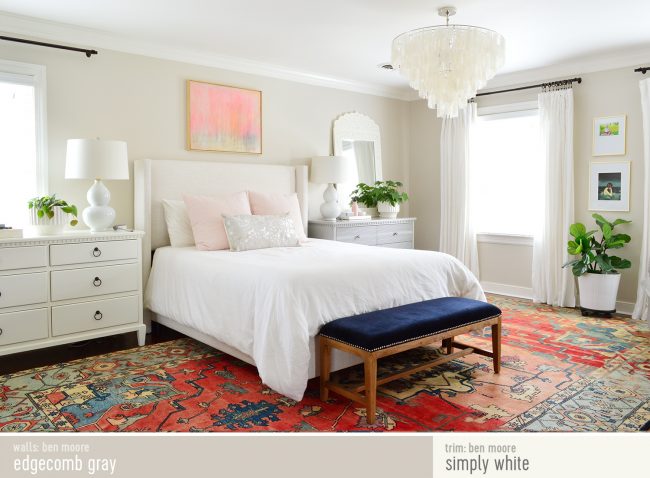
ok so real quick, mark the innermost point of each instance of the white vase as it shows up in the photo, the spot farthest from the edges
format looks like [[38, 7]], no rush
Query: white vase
[[387, 211], [598, 292], [44, 226]]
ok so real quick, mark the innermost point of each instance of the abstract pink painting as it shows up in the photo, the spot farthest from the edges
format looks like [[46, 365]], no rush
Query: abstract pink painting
[[223, 118]]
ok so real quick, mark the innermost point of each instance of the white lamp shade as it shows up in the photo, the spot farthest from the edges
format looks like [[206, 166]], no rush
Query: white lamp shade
[[96, 159], [331, 169]]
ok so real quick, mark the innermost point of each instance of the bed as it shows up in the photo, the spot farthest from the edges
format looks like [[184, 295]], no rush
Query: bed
[[266, 306]]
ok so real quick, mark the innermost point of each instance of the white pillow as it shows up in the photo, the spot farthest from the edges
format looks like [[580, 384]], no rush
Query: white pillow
[[179, 227], [247, 232]]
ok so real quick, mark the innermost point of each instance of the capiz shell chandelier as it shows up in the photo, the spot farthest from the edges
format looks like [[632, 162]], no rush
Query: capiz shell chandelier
[[448, 64]]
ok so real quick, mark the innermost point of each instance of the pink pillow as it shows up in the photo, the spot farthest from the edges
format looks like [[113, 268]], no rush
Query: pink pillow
[[205, 214], [274, 204]]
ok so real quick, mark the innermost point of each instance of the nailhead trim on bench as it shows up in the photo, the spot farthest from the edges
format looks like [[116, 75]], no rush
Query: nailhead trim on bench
[[410, 339]]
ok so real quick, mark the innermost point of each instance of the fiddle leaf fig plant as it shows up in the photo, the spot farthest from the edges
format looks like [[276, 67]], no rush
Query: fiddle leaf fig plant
[[45, 205], [594, 257], [381, 191]]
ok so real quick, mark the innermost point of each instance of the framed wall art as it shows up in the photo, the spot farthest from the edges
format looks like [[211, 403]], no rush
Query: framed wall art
[[609, 136], [223, 118], [609, 186]]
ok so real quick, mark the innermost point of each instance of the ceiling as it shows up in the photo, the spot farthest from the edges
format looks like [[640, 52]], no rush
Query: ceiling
[[346, 39]]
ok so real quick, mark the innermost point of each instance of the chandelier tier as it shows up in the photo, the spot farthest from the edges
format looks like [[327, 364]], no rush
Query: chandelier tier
[[448, 64]]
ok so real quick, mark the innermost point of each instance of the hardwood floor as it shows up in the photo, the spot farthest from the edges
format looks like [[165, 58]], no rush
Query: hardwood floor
[[65, 353]]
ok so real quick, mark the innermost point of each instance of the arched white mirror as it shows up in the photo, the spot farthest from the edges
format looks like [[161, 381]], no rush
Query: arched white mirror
[[357, 137]]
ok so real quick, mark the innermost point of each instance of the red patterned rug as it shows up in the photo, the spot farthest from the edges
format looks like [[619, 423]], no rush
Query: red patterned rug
[[560, 372]]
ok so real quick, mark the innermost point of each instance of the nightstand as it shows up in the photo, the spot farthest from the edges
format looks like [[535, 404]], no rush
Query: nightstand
[[397, 233], [69, 287]]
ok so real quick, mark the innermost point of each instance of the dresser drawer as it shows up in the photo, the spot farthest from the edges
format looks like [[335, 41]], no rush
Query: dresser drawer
[[390, 233], [92, 281], [23, 289], [23, 326], [359, 235], [22, 257], [90, 252], [98, 314], [397, 245]]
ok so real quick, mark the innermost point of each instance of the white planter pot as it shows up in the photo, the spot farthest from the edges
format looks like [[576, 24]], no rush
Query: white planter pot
[[44, 226], [386, 211], [598, 291], [371, 211]]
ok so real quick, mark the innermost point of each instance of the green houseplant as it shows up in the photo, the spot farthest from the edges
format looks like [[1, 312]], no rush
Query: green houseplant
[[596, 269], [384, 195], [49, 214]]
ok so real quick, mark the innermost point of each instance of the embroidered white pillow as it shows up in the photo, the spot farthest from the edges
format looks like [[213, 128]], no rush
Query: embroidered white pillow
[[278, 204], [178, 223], [246, 232]]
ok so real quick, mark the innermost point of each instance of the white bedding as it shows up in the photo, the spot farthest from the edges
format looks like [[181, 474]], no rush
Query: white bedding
[[268, 303]]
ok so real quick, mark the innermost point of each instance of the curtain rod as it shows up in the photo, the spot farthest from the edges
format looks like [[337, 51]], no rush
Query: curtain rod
[[50, 45], [643, 69], [540, 85]]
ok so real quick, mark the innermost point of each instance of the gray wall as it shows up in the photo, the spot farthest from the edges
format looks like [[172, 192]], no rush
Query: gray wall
[[603, 93], [142, 100]]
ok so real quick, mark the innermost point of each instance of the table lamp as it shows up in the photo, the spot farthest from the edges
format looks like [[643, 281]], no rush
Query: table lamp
[[330, 170], [97, 159]]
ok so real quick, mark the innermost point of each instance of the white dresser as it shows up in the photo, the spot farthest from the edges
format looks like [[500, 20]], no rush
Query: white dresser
[[398, 233], [71, 287]]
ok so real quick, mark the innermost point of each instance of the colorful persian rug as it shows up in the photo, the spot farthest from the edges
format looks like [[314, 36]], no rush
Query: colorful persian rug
[[560, 372]]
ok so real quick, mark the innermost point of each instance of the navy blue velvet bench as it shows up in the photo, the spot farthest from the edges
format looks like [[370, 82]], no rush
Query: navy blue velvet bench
[[378, 334]]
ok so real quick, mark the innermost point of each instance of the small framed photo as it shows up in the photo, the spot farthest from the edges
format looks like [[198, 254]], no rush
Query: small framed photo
[[609, 136], [609, 186]]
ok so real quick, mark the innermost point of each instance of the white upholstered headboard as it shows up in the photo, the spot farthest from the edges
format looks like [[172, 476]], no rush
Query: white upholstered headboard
[[156, 180]]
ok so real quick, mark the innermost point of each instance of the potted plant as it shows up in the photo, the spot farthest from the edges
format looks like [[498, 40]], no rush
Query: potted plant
[[389, 198], [50, 214], [383, 195], [596, 269], [365, 195]]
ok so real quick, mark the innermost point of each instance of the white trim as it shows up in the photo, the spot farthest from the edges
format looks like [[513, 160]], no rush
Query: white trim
[[601, 62], [508, 290], [75, 35], [524, 108], [625, 308], [511, 239], [35, 75]]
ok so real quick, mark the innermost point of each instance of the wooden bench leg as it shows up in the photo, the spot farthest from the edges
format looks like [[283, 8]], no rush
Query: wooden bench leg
[[449, 345], [496, 346], [370, 375], [325, 357]]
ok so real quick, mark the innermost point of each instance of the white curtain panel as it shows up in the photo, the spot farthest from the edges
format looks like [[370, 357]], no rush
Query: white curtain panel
[[457, 235], [643, 291], [553, 284]]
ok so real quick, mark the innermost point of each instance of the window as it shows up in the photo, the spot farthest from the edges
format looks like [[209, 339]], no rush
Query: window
[[23, 172], [507, 173]]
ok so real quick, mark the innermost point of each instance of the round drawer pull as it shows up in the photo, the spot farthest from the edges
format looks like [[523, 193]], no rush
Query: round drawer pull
[[357, 237], [97, 282], [98, 315], [97, 252]]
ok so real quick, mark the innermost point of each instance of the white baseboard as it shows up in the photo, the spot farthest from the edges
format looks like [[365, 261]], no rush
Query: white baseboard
[[624, 308], [507, 289]]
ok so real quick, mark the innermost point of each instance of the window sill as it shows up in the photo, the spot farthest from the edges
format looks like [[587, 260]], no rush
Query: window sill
[[509, 239]]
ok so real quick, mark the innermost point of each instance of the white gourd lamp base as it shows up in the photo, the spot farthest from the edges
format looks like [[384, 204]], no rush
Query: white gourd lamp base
[[330, 209], [99, 216]]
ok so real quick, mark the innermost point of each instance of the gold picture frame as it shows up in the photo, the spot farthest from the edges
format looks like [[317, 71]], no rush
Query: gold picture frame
[[223, 118]]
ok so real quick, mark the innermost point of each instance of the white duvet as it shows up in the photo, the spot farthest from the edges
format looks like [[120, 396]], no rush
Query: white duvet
[[268, 303]]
